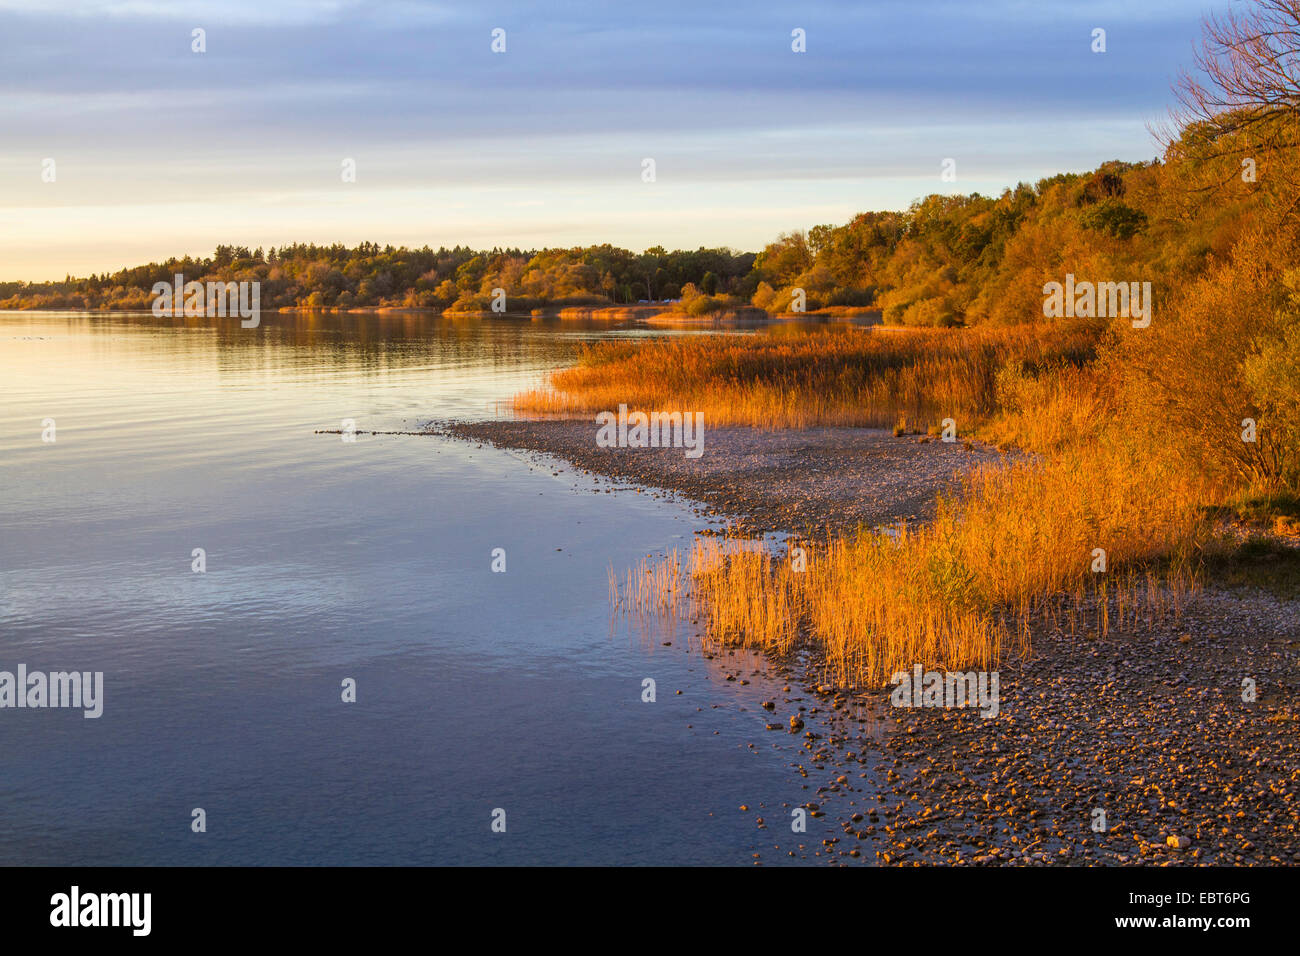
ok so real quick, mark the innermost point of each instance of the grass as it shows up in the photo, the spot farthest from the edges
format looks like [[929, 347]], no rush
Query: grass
[[792, 377], [1277, 510], [1017, 545], [1264, 563]]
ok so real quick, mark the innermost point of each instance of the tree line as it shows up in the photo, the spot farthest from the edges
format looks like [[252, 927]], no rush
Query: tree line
[[947, 260]]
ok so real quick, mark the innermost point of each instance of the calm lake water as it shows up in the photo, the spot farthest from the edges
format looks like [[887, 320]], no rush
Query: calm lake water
[[329, 560]]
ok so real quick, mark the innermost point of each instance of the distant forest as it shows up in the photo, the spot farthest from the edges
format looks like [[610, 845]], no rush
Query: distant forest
[[947, 260]]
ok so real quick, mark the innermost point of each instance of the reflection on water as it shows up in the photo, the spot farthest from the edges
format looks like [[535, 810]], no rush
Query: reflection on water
[[328, 560]]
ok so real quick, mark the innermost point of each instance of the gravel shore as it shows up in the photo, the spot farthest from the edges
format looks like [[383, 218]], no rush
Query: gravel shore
[[1149, 726], [809, 481]]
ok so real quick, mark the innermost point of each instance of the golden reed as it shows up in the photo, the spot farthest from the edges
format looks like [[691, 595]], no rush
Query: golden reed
[[1017, 547]]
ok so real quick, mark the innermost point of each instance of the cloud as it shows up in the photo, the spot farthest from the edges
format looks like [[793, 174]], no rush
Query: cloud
[[413, 92]]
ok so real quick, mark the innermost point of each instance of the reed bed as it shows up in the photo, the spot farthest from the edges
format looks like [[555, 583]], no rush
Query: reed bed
[[650, 587], [1016, 548], [795, 378]]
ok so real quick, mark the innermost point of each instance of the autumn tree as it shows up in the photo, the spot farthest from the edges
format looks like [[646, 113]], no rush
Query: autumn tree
[[1241, 106]]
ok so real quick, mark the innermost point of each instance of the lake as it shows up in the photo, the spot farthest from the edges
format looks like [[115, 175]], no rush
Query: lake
[[328, 561]]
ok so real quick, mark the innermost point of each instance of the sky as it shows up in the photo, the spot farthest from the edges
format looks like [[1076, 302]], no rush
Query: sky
[[159, 150]]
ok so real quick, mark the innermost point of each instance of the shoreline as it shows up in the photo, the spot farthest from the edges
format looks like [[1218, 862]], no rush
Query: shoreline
[[1077, 715], [649, 315], [808, 482]]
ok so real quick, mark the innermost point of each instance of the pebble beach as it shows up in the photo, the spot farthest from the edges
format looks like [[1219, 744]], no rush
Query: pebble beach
[[1142, 747]]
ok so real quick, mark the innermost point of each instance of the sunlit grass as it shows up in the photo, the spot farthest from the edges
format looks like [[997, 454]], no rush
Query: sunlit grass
[[1017, 547], [794, 378]]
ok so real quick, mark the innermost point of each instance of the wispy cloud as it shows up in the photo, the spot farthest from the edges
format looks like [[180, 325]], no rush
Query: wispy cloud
[[285, 91]]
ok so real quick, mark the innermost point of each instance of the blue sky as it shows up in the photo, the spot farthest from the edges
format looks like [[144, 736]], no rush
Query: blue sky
[[159, 150]]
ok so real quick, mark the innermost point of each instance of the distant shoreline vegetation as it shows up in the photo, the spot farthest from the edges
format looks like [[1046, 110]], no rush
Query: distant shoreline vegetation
[[948, 260]]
